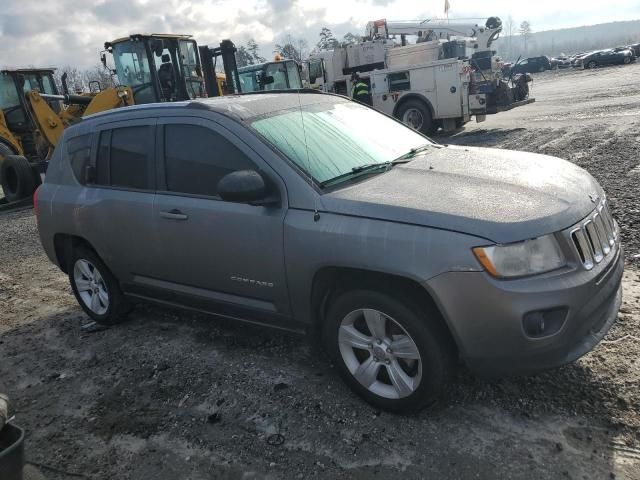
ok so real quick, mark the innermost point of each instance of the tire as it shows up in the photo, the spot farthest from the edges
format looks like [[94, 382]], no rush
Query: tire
[[426, 375], [592, 64], [91, 282], [541, 69], [18, 178], [417, 115], [627, 60]]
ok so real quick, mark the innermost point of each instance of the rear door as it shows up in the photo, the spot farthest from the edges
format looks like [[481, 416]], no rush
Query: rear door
[[215, 255], [117, 203]]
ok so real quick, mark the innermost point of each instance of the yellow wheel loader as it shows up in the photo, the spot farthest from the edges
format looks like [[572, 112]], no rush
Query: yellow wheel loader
[[33, 116], [170, 68]]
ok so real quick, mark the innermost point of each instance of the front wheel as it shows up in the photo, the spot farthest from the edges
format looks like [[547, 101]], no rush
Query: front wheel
[[394, 355], [627, 60], [417, 115], [592, 65], [95, 288]]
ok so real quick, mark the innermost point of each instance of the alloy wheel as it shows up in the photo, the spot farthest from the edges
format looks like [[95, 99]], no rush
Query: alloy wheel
[[91, 286], [379, 353]]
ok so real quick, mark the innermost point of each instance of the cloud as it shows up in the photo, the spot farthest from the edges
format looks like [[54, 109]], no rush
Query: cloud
[[72, 32]]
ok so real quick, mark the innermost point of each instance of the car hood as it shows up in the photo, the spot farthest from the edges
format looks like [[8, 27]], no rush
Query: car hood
[[500, 195]]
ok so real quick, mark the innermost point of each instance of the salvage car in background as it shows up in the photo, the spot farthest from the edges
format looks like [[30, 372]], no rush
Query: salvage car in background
[[606, 57], [561, 61], [532, 65]]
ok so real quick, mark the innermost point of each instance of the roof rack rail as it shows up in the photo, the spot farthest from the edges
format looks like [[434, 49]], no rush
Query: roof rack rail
[[290, 90]]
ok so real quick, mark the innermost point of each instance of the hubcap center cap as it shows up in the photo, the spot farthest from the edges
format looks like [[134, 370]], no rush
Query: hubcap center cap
[[380, 352]]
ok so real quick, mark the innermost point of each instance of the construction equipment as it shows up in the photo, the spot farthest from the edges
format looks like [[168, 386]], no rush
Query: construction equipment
[[32, 119], [157, 67], [277, 75], [447, 76]]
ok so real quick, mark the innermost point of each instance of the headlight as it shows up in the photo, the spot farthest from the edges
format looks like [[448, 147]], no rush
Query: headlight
[[530, 257]]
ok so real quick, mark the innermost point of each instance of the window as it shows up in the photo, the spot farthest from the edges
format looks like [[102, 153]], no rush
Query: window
[[279, 74], [399, 81], [102, 160], [129, 162], [315, 71], [79, 151], [123, 158], [294, 75], [8, 93], [328, 140], [196, 158]]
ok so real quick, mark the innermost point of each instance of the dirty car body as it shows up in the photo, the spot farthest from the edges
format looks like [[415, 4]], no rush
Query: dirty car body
[[512, 260]]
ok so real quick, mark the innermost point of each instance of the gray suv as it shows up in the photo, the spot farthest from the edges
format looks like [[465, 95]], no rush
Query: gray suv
[[313, 213]]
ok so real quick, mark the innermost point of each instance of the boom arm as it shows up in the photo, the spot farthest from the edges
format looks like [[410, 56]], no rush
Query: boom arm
[[484, 35]]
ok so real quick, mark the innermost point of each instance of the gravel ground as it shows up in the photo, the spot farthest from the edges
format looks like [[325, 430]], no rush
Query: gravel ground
[[171, 395]]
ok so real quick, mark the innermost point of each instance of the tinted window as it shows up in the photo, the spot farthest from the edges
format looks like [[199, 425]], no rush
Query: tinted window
[[123, 158], [102, 159], [197, 158], [79, 151]]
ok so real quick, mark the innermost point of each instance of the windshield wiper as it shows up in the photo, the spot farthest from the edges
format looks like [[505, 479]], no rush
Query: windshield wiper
[[413, 152]]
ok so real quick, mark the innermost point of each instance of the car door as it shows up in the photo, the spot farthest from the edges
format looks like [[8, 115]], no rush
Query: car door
[[213, 254], [116, 215]]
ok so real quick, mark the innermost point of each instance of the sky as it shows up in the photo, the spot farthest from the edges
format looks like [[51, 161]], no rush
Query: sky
[[72, 32]]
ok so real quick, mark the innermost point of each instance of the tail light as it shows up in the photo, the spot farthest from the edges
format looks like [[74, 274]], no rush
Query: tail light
[[35, 202]]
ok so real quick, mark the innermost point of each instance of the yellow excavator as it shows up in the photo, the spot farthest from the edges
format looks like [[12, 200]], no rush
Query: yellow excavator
[[33, 116]]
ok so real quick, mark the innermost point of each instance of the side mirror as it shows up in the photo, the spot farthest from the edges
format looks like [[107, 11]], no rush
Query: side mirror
[[244, 186]]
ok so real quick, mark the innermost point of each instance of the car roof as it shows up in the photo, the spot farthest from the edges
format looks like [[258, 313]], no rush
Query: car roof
[[240, 107]]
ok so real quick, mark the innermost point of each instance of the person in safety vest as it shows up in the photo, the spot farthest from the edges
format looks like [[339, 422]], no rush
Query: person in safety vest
[[360, 90]]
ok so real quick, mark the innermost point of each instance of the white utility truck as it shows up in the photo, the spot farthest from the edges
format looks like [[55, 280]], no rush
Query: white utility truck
[[443, 79]]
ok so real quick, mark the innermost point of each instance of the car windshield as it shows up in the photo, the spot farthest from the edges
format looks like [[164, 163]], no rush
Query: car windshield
[[328, 141]]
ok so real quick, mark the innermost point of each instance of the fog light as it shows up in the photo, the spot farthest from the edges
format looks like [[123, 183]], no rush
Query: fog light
[[544, 323]]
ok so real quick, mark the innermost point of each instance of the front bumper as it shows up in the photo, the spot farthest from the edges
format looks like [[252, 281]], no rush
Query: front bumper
[[486, 315]]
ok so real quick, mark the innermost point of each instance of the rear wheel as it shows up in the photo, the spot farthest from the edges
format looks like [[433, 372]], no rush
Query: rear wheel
[[18, 178], [394, 355], [95, 287], [417, 115], [627, 60]]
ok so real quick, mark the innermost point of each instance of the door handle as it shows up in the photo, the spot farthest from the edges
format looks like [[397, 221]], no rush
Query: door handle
[[174, 214]]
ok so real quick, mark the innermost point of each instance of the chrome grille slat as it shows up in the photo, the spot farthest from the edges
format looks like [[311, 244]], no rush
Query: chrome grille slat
[[602, 233], [594, 240], [595, 237]]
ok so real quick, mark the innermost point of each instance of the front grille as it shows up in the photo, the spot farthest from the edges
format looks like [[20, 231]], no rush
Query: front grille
[[595, 237]]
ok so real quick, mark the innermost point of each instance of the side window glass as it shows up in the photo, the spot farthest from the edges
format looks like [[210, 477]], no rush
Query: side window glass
[[129, 159], [79, 151], [123, 158], [196, 158], [102, 159], [294, 75]]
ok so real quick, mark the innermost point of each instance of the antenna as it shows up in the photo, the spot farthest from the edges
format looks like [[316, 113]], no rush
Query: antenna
[[316, 213]]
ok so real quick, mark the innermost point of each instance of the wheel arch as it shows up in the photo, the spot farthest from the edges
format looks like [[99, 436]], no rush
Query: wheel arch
[[64, 245], [331, 280]]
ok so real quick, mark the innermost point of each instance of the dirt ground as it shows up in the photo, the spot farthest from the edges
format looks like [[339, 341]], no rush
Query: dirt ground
[[169, 395]]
